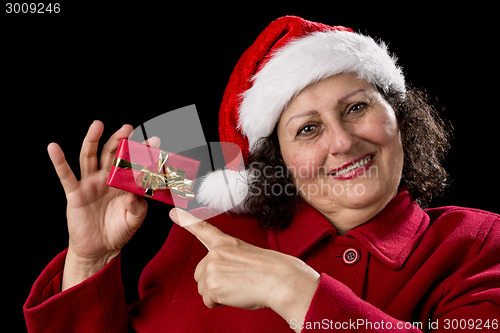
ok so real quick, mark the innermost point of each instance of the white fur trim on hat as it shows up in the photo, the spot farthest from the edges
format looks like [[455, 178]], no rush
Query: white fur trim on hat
[[307, 60], [224, 190]]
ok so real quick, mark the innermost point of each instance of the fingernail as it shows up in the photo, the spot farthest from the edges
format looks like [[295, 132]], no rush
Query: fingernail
[[173, 214]]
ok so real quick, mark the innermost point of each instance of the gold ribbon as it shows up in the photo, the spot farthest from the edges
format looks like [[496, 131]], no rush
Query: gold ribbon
[[165, 178]]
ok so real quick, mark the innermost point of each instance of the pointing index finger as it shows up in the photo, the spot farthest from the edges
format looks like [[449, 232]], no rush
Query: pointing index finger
[[206, 233]]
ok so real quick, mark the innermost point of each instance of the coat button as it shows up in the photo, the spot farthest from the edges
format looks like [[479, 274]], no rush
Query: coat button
[[351, 256]]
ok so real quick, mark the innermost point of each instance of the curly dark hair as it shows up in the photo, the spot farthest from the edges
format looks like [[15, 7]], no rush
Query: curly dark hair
[[425, 139]]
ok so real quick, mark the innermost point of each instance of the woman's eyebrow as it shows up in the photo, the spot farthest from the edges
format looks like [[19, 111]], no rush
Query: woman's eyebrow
[[342, 99], [314, 112], [304, 114]]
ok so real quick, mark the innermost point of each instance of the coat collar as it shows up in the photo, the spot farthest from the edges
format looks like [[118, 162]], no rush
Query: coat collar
[[390, 236]]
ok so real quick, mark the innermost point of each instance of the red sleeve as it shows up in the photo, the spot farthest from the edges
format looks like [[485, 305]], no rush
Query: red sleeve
[[95, 305], [98, 303], [470, 301], [336, 308]]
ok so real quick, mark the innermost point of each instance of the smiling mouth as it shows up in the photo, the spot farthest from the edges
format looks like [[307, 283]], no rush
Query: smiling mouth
[[353, 165]]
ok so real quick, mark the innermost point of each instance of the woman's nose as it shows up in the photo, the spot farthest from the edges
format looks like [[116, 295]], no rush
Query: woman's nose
[[340, 139]]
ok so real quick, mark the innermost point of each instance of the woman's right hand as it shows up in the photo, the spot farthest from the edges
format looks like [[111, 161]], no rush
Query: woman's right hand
[[101, 219]]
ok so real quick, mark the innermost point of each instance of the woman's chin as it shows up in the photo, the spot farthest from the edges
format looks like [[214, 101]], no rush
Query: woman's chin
[[368, 194], [351, 194]]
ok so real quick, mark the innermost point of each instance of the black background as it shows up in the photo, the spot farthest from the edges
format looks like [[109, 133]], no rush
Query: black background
[[129, 62]]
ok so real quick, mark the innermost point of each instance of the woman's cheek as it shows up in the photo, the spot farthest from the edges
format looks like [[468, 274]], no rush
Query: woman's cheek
[[380, 127], [304, 164], [388, 122]]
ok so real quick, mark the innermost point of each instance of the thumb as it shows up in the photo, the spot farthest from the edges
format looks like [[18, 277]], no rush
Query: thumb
[[136, 211], [207, 234]]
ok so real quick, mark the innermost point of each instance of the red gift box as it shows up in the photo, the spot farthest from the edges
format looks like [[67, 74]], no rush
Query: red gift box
[[154, 173]]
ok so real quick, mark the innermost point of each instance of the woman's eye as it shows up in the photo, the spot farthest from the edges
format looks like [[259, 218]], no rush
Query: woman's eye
[[357, 108], [306, 130]]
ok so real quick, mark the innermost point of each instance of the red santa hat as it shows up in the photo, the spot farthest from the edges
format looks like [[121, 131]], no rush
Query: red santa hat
[[290, 54]]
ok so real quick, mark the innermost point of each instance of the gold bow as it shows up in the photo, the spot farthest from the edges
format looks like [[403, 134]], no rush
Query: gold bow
[[165, 178]]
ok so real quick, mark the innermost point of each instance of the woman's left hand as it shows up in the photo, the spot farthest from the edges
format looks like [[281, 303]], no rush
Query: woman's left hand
[[238, 274]]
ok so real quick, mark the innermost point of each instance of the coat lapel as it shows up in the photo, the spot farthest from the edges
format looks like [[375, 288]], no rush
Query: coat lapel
[[390, 236]]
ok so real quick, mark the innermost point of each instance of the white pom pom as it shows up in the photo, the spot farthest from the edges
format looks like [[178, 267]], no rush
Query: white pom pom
[[224, 190]]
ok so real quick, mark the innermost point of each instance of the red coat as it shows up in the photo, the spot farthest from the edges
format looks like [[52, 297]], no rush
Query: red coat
[[438, 268]]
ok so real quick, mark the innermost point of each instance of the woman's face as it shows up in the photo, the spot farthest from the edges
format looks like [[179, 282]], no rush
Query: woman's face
[[340, 139]]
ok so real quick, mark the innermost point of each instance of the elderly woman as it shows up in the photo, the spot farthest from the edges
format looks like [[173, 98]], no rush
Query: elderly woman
[[328, 232]]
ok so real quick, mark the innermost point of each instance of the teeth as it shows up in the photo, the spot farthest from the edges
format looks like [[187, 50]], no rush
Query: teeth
[[353, 166]]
